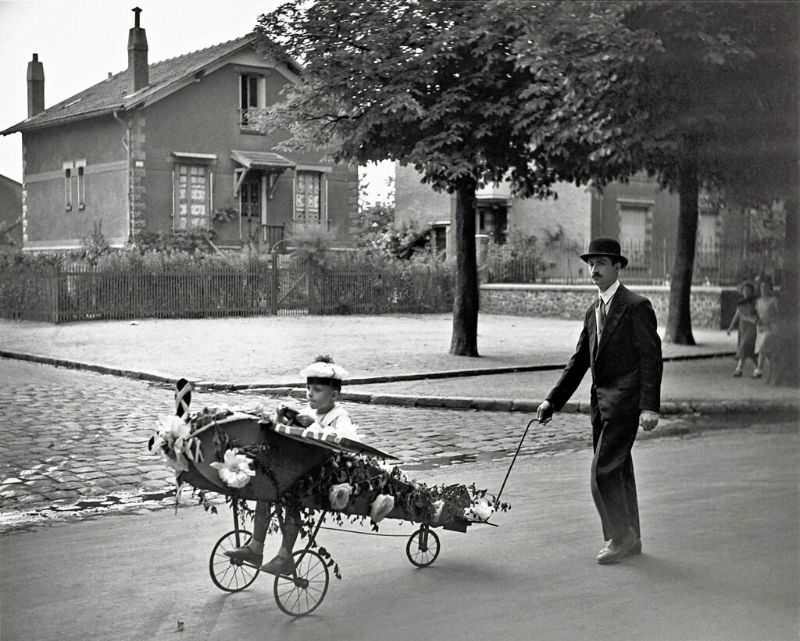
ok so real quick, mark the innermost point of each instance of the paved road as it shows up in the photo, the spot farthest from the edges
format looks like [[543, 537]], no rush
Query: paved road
[[74, 442], [720, 523]]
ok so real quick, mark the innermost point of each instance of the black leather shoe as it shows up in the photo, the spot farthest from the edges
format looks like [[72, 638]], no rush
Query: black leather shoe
[[615, 551]]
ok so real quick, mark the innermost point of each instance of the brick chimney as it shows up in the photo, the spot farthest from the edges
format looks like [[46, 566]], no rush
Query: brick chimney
[[35, 86], [137, 55]]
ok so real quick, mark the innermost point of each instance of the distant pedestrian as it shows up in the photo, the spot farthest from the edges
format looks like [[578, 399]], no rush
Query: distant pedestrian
[[745, 319], [621, 346], [767, 312]]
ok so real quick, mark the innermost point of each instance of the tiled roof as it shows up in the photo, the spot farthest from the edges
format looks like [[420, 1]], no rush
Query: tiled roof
[[112, 94]]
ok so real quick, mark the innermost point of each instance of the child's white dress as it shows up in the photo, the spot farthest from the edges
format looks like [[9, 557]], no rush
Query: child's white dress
[[336, 421]]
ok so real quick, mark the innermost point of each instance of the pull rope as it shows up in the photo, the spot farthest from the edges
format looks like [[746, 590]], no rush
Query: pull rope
[[519, 447], [345, 530]]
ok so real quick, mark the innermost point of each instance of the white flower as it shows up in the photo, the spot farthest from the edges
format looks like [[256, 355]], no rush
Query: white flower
[[169, 441], [381, 506], [235, 470], [481, 510], [173, 428], [339, 495]]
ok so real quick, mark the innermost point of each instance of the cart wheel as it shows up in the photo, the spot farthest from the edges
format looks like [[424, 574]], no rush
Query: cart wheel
[[300, 593], [423, 547], [227, 574]]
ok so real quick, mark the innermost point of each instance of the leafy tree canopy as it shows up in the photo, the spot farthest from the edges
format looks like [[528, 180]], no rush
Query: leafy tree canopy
[[641, 82], [432, 84], [588, 92]]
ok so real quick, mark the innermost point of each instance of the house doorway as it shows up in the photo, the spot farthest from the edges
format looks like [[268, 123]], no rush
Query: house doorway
[[250, 207], [491, 218]]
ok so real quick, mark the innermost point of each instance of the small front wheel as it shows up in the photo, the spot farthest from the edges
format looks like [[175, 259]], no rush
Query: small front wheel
[[299, 593], [423, 547], [229, 575]]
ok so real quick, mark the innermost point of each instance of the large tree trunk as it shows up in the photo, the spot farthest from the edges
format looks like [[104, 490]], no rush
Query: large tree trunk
[[465, 302], [679, 319]]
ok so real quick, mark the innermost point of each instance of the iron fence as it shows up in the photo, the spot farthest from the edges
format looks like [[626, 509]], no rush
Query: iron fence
[[57, 294]]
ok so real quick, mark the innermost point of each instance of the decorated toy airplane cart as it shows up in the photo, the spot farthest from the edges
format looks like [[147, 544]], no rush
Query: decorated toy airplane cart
[[253, 455]]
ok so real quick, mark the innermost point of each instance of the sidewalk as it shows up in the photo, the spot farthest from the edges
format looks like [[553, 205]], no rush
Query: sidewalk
[[391, 359]]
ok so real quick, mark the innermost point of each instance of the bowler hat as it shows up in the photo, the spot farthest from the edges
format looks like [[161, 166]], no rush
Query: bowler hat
[[605, 247]]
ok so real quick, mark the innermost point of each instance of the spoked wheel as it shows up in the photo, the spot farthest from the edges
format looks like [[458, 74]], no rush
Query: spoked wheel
[[300, 593], [423, 547], [227, 574]]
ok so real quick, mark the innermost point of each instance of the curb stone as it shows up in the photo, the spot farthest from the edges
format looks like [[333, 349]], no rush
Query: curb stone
[[682, 407]]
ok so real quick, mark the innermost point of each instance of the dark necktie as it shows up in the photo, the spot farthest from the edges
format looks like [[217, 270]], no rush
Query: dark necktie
[[601, 316]]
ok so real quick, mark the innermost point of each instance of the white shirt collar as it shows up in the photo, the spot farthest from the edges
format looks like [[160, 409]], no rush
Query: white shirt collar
[[609, 293]]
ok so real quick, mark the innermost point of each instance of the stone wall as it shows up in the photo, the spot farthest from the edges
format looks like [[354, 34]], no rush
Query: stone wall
[[571, 301]]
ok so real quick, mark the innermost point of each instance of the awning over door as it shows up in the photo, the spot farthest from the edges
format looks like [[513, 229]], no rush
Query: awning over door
[[266, 162]]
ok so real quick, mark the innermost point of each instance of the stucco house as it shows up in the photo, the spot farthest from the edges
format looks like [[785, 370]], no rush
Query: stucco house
[[170, 146], [10, 214], [639, 213]]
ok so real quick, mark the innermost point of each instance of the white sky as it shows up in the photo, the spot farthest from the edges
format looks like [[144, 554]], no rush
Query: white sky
[[80, 41]]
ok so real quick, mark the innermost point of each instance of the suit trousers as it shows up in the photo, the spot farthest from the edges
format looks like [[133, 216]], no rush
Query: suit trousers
[[613, 481]]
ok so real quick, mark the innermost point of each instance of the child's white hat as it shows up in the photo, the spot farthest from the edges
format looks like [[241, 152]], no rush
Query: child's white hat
[[324, 372]]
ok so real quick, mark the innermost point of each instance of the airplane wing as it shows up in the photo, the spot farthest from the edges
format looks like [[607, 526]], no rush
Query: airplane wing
[[331, 441]]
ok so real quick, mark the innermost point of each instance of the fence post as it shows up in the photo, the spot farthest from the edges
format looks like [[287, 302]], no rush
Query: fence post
[[273, 288], [313, 276], [55, 294]]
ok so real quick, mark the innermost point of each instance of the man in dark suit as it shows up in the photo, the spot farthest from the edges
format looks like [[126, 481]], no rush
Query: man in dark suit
[[621, 346]]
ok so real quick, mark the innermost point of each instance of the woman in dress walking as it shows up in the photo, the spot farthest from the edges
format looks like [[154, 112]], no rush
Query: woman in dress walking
[[745, 319]]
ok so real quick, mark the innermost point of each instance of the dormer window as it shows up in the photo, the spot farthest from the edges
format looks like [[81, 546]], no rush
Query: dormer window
[[252, 98]]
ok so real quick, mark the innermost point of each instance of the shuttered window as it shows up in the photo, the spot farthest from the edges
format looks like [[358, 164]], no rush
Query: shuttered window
[[307, 206], [192, 197]]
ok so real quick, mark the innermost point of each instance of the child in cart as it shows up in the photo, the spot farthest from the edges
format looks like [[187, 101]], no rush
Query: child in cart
[[324, 416]]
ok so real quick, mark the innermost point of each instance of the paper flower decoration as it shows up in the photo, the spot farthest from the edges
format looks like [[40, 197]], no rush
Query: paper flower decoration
[[481, 510], [235, 470], [438, 508], [173, 428], [169, 441], [381, 506], [339, 495]]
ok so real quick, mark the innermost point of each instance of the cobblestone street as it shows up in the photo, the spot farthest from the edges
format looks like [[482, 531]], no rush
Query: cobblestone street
[[75, 441]]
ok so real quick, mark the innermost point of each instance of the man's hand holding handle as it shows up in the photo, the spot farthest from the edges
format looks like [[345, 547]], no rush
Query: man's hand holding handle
[[648, 420], [544, 412]]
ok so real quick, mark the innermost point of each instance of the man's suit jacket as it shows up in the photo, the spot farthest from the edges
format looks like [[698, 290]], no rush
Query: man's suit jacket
[[626, 366]]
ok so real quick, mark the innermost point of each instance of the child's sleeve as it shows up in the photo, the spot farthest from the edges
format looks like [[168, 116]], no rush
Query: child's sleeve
[[343, 426]]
